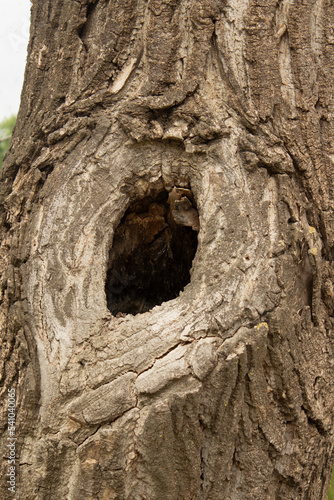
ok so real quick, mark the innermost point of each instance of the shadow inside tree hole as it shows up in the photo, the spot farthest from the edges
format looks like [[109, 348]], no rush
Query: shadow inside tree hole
[[152, 252]]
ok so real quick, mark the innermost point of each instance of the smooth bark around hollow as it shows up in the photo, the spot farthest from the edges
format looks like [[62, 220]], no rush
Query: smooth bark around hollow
[[226, 390]]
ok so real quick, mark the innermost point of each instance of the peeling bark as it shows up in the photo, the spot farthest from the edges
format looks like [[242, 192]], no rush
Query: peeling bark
[[225, 390]]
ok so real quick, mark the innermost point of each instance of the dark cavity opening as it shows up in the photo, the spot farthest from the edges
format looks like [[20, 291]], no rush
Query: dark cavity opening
[[152, 252]]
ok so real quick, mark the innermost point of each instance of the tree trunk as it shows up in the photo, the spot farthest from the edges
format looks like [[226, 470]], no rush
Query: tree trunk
[[133, 377]]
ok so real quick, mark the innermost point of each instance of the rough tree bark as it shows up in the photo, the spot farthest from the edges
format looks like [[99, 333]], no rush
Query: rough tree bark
[[225, 391]]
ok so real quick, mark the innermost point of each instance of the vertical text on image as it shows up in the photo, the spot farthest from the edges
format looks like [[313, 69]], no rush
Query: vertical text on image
[[11, 445]]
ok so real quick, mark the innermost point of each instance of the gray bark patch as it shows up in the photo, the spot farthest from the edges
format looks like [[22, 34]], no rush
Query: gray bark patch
[[105, 403]]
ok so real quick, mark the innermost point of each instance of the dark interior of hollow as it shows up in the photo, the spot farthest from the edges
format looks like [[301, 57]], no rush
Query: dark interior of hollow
[[151, 257]]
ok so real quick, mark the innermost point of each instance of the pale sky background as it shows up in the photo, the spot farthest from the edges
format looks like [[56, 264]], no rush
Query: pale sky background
[[14, 36]]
